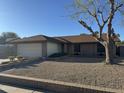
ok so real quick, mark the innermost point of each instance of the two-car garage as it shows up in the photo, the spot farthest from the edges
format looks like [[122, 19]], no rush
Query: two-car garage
[[30, 49], [37, 46]]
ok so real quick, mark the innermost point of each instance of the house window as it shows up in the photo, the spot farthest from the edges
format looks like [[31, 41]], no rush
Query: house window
[[76, 49], [100, 50]]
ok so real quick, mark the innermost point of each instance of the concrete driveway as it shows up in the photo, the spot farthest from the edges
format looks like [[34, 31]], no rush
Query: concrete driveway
[[3, 60]]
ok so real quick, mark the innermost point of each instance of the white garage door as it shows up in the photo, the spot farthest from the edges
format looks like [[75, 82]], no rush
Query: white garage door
[[30, 50]]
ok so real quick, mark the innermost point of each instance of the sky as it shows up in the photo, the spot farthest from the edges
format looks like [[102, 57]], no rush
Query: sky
[[47, 17]]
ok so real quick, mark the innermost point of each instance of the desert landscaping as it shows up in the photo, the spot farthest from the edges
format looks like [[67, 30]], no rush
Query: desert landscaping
[[86, 71]]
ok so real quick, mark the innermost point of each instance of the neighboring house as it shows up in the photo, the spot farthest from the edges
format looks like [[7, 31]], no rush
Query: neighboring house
[[43, 46], [10, 39], [7, 50]]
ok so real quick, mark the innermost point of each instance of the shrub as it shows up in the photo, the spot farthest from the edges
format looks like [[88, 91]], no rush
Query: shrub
[[19, 58], [11, 58], [57, 55]]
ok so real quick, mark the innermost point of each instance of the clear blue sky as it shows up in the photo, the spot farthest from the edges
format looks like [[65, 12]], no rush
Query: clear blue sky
[[33, 17]]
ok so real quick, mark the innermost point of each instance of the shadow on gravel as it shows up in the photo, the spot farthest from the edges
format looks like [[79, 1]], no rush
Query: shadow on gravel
[[119, 61], [77, 60], [1, 91], [26, 64]]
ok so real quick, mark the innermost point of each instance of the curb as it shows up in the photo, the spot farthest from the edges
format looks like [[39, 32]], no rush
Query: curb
[[50, 85]]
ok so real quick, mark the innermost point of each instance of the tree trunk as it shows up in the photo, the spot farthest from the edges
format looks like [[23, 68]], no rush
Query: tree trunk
[[109, 53], [109, 42]]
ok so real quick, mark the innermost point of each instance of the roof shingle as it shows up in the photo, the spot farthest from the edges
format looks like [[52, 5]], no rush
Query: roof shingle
[[85, 38], [34, 39]]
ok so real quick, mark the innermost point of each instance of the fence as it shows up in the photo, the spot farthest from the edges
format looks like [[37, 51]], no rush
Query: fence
[[7, 50]]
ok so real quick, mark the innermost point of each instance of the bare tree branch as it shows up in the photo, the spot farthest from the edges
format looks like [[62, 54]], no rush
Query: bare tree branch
[[84, 24], [97, 20], [119, 6], [101, 13], [105, 21], [95, 16]]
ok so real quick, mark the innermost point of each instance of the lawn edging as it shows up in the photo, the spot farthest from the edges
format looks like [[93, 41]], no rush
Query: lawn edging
[[51, 85]]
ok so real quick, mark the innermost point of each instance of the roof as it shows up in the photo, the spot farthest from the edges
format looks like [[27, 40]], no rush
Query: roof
[[83, 38], [34, 39], [11, 39]]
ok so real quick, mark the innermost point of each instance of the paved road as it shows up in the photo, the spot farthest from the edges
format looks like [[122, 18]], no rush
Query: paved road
[[10, 89]]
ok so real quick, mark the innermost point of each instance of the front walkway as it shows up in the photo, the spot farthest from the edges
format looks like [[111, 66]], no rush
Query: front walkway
[[10, 89]]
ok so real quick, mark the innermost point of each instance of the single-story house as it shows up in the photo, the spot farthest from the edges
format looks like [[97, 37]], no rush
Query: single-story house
[[44, 46]]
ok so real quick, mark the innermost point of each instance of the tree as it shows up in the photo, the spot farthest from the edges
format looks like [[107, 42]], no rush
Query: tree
[[120, 43], [7, 35], [102, 13]]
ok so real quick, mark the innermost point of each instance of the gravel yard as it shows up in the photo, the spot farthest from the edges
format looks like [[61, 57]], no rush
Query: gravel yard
[[88, 71]]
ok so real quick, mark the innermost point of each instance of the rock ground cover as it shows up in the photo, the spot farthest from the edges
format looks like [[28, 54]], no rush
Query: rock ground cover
[[88, 71]]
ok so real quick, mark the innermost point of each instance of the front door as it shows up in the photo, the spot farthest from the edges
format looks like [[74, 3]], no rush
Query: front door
[[76, 49], [88, 50]]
